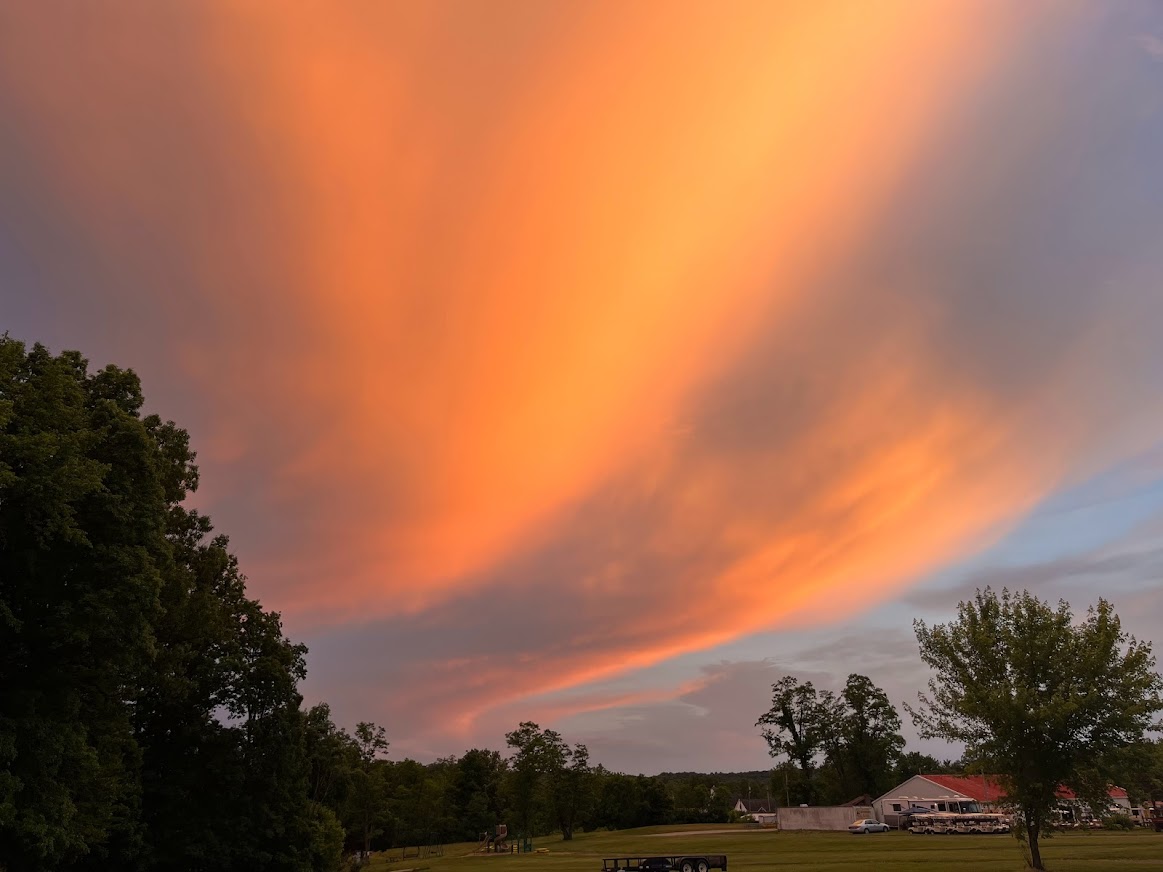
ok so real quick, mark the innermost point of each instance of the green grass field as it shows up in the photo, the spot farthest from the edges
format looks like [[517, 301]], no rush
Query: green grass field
[[755, 850]]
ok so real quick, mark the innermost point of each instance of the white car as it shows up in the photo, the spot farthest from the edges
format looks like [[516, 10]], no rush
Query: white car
[[868, 825]]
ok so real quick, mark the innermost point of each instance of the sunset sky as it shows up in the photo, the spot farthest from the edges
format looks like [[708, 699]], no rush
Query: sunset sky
[[598, 363]]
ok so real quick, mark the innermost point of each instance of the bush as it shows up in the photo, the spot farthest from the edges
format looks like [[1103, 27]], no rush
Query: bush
[[1118, 822]]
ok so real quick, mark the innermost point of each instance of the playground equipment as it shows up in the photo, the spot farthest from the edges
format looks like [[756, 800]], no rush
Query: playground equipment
[[497, 842]]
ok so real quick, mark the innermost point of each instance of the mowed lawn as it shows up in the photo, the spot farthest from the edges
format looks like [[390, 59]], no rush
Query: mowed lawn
[[755, 850]]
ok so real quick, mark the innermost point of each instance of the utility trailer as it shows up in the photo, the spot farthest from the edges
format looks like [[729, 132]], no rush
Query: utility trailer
[[680, 863]]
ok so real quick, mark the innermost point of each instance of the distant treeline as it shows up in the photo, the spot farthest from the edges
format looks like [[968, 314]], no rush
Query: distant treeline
[[543, 786]]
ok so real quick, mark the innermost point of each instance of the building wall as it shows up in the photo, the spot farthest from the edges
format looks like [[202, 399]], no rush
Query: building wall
[[919, 791], [822, 817]]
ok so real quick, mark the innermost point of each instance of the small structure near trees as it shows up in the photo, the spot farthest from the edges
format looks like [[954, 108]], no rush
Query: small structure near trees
[[760, 811]]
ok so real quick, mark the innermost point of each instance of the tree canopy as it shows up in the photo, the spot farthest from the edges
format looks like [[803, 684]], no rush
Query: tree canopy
[[549, 773], [868, 741], [857, 734], [797, 725], [150, 715], [1037, 697]]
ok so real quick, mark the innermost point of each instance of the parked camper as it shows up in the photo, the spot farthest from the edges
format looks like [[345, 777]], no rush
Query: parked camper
[[1157, 818], [953, 824]]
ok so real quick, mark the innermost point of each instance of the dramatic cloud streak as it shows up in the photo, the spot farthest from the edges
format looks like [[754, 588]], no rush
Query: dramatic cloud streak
[[527, 346], [522, 269]]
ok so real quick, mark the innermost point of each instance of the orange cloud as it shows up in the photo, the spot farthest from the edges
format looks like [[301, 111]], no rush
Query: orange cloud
[[527, 238], [463, 293], [893, 465]]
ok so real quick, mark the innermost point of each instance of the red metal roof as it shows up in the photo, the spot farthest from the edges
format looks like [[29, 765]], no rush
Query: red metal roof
[[985, 788], [1113, 793]]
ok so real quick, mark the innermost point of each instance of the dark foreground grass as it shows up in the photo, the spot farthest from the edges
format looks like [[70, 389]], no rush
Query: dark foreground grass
[[755, 851]]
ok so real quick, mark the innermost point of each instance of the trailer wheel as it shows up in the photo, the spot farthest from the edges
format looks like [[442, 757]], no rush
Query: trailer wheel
[[702, 866], [687, 866]]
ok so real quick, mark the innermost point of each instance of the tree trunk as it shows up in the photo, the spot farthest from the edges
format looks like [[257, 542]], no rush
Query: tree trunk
[[1035, 853], [806, 768], [566, 832]]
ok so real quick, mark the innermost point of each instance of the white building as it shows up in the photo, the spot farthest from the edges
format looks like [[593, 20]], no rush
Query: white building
[[757, 810], [959, 794]]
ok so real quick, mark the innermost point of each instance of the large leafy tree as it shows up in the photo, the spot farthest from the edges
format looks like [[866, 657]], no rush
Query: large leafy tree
[[1036, 696], [857, 732], [525, 770], [219, 717], [476, 792], [150, 716], [367, 811], [548, 776], [331, 755], [85, 493], [798, 726], [570, 785], [868, 726]]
